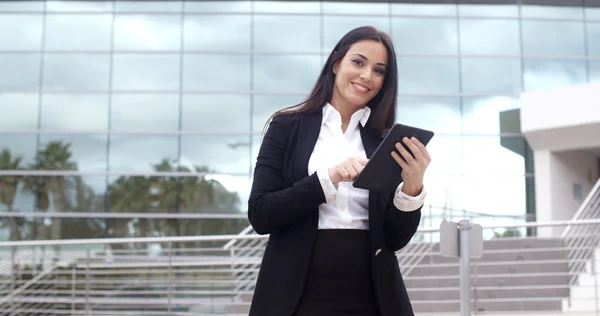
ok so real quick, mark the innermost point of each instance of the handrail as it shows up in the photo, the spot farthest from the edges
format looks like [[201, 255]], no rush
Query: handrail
[[104, 241], [242, 233], [584, 206]]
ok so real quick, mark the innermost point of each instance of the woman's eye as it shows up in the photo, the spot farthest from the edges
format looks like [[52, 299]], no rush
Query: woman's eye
[[358, 62], [380, 71]]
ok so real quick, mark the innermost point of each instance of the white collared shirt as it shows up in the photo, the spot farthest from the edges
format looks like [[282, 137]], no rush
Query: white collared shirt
[[346, 206]]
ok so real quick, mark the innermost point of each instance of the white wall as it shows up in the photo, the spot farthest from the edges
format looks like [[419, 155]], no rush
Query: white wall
[[556, 174]]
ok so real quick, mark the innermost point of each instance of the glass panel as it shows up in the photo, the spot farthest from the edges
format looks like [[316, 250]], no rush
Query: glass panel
[[460, 192], [17, 195], [593, 39], [79, 6], [216, 72], [147, 32], [435, 36], [166, 6], [73, 32], [335, 27], [216, 113], [234, 32], [269, 69], [355, 8], [21, 32], [19, 72], [287, 36], [21, 5], [491, 75], [488, 10], [573, 11], [446, 157], [266, 105], [38, 228], [425, 8], [215, 194], [68, 72], [146, 72], [256, 143], [74, 193], [217, 6], [141, 153], [221, 154], [18, 145], [543, 74], [145, 113], [427, 75], [74, 112], [481, 115], [594, 70], [475, 37], [486, 155], [440, 114], [82, 152], [553, 38], [19, 111], [592, 13], [287, 6]]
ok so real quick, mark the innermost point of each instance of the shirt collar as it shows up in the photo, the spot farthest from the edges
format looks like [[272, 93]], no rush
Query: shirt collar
[[329, 113]]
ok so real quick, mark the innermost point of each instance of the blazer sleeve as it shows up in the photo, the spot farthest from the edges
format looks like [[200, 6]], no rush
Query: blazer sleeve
[[272, 206], [399, 226]]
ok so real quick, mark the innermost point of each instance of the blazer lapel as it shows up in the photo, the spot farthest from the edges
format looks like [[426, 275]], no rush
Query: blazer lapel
[[308, 133]]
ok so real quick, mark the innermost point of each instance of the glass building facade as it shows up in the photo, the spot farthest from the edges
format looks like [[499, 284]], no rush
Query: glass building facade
[[122, 119]]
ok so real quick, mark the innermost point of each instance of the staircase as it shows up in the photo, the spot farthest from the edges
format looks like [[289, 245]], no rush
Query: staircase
[[585, 294]]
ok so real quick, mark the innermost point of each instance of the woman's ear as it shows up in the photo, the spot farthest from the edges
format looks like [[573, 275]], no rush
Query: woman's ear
[[336, 66]]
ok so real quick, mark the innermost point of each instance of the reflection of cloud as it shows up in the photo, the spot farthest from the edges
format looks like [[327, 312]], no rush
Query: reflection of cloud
[[21, 31], [74, 112], [150, 32], [550, 74], [19, 111]]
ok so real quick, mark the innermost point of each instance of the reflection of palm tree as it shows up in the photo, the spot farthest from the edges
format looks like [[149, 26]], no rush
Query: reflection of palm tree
[[8, 191], [56, 155], [127, 194]]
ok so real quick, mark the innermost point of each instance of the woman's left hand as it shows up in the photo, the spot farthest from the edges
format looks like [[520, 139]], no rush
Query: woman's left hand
[[413, 168]]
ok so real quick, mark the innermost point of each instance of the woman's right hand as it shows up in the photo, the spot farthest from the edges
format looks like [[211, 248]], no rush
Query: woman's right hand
[[347, 170]]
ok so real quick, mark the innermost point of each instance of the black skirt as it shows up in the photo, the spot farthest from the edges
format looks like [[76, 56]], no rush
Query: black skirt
[[339, 277]]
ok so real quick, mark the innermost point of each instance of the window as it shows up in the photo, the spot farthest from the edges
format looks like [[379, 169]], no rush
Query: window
[[222, 72], [19, 111], [545, 74], [427, 75], [489, 10], [573, 11], [475, 37], [266, 105], [217, 6], [148, 113], [439, 114], [74, 152], [593, 38], [491, 75], [481, 115], [146, 72], [216, 113], [355, 8], [429, 9], [287, 6], [552, 38], [335, 27], [19, 72], [217, 32], [20, 145], [20, 31], [284, 73], [429, 36], [147, 32], [66, 32], [141, 153], [228, 154], [287, 36], [69, 72], [75, 112]]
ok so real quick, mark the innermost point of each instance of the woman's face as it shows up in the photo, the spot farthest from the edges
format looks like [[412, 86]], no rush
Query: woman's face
[[359, 75]]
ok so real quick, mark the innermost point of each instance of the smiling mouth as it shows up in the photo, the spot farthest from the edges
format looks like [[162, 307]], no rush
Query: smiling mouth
[[360, 88]]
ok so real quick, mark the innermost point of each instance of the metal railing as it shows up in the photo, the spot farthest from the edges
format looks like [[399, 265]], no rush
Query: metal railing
[[582, 239], [214, 275]]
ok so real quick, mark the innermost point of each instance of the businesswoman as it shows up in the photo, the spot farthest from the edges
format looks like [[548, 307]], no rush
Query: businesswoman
[[331, 246]]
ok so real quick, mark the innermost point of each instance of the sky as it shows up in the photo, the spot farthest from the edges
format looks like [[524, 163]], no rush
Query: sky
[[460, 169]]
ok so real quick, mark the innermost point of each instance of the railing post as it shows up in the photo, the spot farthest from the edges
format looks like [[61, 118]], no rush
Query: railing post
[[73, 281], [595, 280], [87, 281], [465, 279], [169, 278]]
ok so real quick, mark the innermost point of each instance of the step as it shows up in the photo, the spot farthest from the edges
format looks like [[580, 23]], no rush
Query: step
[[501, 267]]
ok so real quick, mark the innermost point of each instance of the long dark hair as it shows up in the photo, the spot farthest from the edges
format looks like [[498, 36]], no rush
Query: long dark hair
[[383, 105]]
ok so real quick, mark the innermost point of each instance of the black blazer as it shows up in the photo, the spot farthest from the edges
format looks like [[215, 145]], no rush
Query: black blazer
[[284, 202]]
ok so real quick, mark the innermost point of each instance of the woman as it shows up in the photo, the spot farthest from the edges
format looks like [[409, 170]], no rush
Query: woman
[[331, 246]]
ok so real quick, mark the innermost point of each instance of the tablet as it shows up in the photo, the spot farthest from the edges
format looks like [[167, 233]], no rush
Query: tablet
[[382, 173]]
